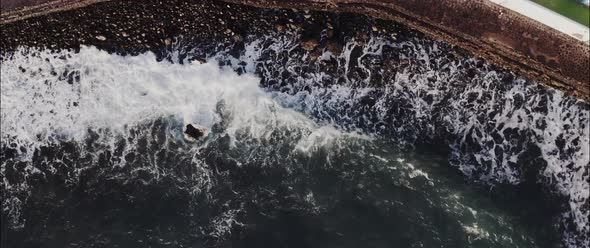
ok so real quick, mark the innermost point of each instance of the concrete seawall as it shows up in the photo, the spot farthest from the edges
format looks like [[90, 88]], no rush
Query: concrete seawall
[[499, 35]]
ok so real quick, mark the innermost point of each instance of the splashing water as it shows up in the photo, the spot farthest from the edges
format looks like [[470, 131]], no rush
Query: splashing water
[[124, 118]]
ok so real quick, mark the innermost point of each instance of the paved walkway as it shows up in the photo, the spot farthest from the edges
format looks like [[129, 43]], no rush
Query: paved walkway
[[547, 17]]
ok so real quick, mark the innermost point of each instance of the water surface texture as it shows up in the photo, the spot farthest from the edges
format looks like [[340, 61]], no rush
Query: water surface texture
[[392, 139]]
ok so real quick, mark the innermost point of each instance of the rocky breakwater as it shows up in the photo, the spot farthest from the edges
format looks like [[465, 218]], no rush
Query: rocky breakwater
[[499, 129]]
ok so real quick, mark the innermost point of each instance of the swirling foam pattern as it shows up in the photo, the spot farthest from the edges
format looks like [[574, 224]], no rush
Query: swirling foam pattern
[[495, 126]]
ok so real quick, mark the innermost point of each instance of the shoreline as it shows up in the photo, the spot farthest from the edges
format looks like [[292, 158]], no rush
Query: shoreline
[[148, 26], [502, 37]]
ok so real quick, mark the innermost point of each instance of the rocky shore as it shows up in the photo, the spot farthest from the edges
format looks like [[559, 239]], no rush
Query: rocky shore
[[347, 49], [503, 38], [205, 26]]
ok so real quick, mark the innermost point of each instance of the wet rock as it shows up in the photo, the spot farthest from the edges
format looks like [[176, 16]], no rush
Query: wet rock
[[315, 54], [238, 38], [360, 42], [335, 48], [330, 33], [292, 26], [309, 44], [199, 60], [194, 132]]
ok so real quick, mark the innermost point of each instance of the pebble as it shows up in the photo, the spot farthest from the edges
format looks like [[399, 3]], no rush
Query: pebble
[[101, 38], [237, 38], [309, 44], [330, 33], [334, 48], [360, 42], [315, 55]]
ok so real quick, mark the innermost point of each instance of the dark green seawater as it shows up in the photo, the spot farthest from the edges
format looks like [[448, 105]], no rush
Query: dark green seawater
[[297, 187], [396, 141], [265, 176]]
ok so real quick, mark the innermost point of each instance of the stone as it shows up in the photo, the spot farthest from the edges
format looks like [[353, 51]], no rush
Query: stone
[[199, 60], [330, 33], [334, 48], [360, 42], [194, 132], [315, 54], [101, 37], [237, 38], [309, 45]]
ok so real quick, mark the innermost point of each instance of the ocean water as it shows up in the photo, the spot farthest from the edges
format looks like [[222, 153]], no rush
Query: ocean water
[[338, 152]]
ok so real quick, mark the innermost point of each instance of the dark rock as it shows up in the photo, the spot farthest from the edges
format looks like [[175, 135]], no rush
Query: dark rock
[[194, 132], [334, 47], [309, 45]]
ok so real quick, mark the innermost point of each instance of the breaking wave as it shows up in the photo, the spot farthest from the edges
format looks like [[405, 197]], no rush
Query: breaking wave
[[65, 115], [68, 113], [498, 127]]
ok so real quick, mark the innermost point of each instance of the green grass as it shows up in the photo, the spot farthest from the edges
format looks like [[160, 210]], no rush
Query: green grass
[[568, 8]]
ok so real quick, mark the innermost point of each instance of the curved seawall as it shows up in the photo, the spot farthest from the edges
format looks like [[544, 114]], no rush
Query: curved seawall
[[334, 126], [485, 29]]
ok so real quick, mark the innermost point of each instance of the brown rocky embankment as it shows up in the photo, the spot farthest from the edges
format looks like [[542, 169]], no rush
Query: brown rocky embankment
[[484, 29]]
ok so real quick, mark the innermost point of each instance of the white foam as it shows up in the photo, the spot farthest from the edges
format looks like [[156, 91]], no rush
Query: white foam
[[117, 92], [496, 163]]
